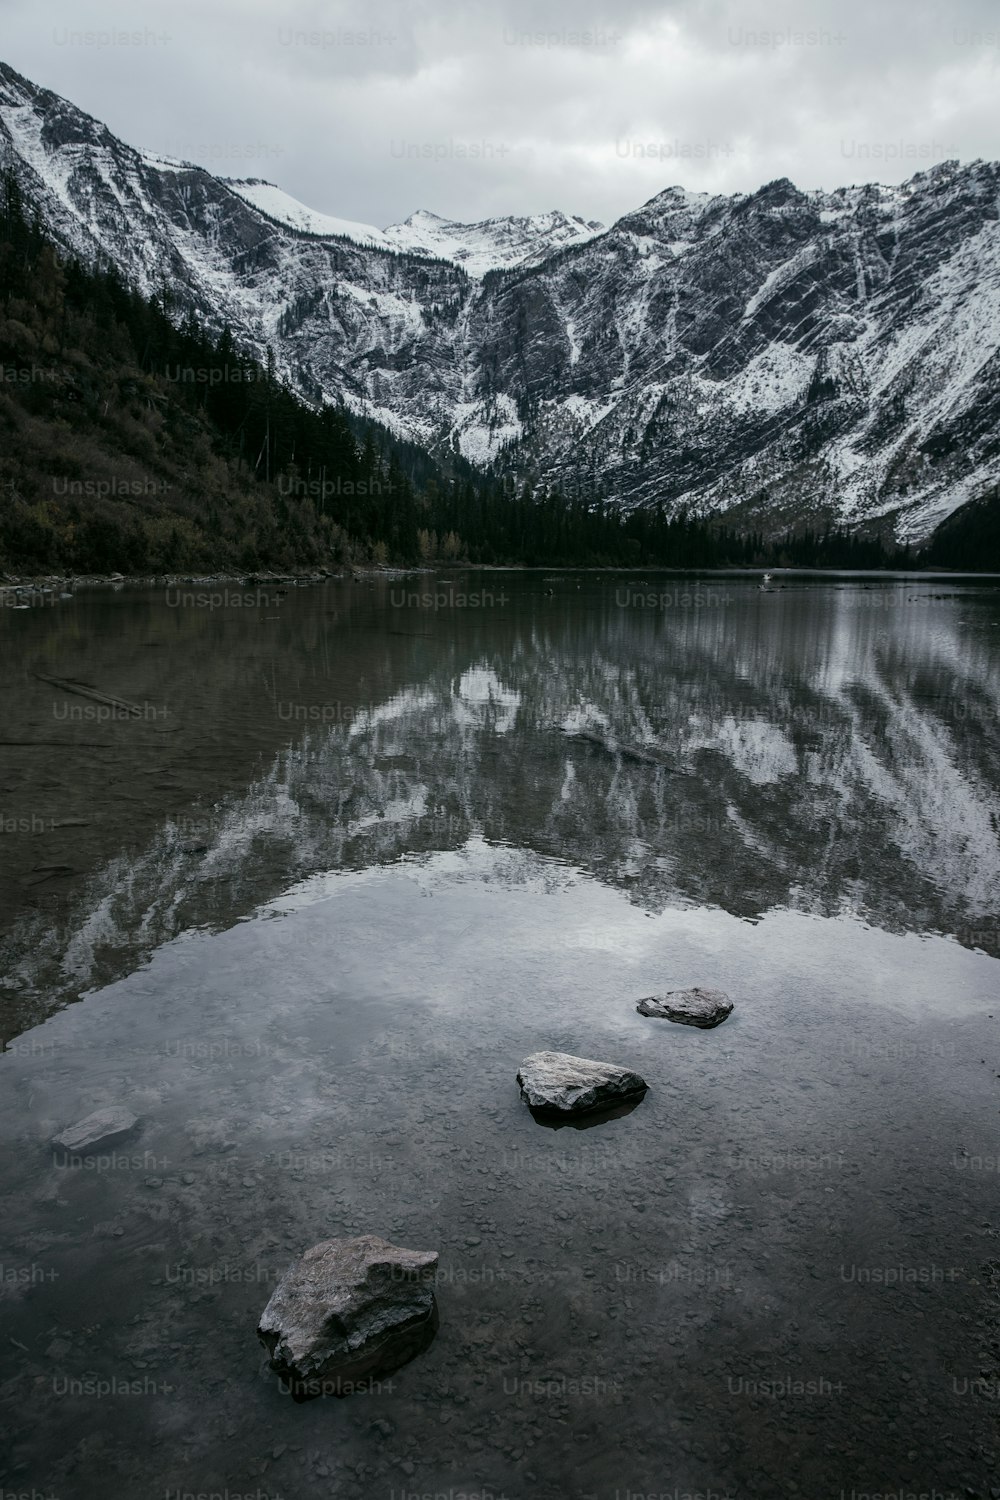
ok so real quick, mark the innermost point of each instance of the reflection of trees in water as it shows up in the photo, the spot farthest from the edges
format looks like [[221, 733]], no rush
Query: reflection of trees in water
[[827, 761]]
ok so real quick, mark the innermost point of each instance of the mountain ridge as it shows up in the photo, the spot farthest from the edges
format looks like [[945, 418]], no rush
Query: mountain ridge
[[500, 243]]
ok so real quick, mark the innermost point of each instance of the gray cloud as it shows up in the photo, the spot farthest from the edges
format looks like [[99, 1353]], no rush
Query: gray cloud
[[370, 113]]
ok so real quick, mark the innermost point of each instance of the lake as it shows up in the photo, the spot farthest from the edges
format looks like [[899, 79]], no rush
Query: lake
[[335, 859]]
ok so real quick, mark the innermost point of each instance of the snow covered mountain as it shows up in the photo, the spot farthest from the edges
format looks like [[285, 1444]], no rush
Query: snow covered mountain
[[491, 245], [771, 357]]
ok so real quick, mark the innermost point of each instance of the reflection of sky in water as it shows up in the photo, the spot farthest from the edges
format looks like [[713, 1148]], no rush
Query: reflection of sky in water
[[345, 1063]]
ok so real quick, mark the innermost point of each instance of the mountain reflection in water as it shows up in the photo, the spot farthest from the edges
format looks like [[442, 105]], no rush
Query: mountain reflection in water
[[832, 747]]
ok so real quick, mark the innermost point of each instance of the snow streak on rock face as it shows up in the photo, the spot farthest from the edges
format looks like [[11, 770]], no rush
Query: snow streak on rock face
[[773, 357]]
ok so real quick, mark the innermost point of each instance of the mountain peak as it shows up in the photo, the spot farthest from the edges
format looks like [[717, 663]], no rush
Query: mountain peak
[[497, 244]]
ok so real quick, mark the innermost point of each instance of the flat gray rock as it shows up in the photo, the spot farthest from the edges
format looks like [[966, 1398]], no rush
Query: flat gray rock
[[349, 1312], [695, 1007], [557, 1083], [105, 1127]]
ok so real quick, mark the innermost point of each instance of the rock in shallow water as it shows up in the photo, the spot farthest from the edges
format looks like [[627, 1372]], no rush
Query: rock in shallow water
[[105, 1127], [695, 1007], [349, 1312], [557, 1083]]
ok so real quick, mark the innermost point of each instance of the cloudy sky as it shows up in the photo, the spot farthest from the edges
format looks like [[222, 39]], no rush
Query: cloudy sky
[[372, 110]]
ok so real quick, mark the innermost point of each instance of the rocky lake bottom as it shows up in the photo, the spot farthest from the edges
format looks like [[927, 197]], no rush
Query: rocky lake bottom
[[311, 957]]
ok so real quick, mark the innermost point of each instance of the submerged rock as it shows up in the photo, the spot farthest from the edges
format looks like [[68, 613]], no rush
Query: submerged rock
[[347, 1313], [105, 1127], [696, 1007], [558, 1083]]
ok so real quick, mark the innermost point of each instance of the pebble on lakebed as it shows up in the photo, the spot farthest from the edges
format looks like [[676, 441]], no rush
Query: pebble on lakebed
[[349, 1312], [558, 1083], [105, 1127], [696, 1007]]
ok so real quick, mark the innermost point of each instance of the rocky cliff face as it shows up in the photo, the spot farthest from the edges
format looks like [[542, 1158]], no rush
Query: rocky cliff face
[[772, 357]]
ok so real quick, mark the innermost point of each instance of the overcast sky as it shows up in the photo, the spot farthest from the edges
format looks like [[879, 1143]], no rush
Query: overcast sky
[[373, 110]]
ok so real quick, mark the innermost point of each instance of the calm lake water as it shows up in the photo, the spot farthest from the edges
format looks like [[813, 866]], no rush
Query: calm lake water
[[364, 846]]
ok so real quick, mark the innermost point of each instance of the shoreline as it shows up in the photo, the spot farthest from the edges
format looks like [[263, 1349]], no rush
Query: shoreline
[[66, 585]]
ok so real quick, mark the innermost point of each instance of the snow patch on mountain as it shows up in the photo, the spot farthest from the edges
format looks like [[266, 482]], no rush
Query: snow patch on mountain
[[483, 429], [280, 205], [776, 378]]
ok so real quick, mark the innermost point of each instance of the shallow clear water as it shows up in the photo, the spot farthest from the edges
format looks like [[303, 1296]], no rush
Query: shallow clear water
[[384, 852]]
